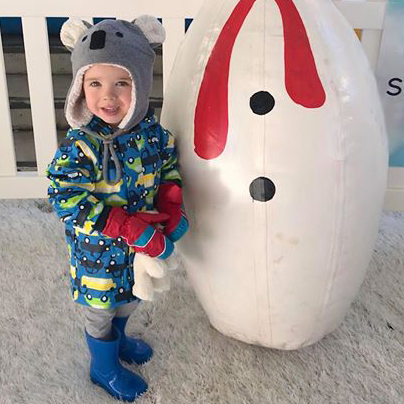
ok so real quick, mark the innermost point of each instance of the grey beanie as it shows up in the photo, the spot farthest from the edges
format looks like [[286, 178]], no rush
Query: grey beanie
[[113, 42]]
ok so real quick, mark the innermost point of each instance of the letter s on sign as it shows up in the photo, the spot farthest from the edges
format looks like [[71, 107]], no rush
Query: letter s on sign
[[392, 84]]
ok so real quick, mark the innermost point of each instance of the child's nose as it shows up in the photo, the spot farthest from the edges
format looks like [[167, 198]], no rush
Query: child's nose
[[109, 93]]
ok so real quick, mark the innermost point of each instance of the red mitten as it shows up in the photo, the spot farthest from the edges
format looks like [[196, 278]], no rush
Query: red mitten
[[169, 200], [137, 230]]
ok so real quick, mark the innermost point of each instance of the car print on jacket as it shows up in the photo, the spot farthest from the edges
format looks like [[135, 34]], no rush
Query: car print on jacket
[[102, 267]]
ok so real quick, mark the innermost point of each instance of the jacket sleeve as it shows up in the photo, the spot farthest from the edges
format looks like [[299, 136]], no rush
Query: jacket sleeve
[[73, 173], [169, 196], [169, 169]]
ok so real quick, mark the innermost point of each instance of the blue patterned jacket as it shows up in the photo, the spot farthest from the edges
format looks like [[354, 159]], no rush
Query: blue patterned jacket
[[101, 268]]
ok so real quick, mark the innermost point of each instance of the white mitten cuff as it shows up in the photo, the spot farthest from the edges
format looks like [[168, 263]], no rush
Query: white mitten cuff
[[150, 276], [143, 287]]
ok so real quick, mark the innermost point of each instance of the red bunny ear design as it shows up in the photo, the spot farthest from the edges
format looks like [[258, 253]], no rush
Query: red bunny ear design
[[301, 78], [211, 113]]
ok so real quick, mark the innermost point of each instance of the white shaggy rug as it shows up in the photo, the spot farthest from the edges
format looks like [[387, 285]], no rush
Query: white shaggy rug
[[44, 359]]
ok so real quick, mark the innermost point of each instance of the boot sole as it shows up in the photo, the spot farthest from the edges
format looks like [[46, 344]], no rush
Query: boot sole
[[131, 361], [97, 383]]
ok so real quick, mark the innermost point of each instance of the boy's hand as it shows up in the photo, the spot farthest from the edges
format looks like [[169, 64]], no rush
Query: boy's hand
[[169, 200], [138, 231]]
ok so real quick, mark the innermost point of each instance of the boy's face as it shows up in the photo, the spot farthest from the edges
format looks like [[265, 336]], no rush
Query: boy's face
[[108, 92]]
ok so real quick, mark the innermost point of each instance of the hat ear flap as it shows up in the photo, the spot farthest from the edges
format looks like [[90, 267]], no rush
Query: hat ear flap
[[72, 30], [152, 29]]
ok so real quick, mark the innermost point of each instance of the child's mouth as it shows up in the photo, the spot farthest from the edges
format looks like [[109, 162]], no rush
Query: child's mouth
[[110, 111]]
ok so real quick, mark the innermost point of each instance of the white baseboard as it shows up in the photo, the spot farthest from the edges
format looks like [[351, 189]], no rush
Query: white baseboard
[[26, 185], [394, 200]]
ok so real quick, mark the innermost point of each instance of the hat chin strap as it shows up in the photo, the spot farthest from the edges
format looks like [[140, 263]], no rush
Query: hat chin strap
[[131, 109], [76, 110]]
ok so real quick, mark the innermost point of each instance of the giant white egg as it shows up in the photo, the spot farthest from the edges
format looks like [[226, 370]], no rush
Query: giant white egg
[[283, 152]]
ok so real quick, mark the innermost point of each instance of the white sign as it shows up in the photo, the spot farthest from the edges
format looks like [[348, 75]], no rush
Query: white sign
[[390, 77]]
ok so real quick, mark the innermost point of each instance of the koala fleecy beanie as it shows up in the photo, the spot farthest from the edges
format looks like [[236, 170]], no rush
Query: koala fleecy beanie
[[113, 42]]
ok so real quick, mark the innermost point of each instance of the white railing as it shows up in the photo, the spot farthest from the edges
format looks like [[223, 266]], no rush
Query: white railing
[[367, 15]]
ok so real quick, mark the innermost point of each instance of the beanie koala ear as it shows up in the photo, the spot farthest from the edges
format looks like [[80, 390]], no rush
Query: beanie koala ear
[[72, 30], [152, 29]]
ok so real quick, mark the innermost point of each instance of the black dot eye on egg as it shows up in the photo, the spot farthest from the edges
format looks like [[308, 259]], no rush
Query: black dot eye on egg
[[262, 102], [262, 189]]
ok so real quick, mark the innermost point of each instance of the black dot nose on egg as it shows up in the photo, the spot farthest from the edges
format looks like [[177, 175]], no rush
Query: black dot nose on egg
[[262, 102], [262, 189]]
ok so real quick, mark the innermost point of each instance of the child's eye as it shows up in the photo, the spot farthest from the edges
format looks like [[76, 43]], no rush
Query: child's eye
[[122, 83], [94, 83]]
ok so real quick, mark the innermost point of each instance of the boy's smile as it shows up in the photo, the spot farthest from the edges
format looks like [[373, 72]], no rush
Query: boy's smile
[[108, 92]]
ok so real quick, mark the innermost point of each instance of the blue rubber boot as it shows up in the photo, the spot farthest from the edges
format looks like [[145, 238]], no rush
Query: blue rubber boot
[[107, 372], [131, 350]]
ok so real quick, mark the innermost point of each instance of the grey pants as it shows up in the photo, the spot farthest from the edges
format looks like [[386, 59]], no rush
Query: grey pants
[[99, 321]]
